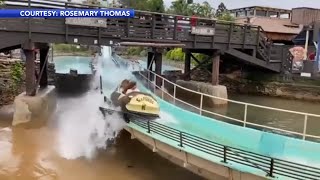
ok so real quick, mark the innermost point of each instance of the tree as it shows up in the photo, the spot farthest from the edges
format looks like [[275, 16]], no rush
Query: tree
[[155, 6], [201, 10], [179, 7], [92, 2], [226, 16], [221, 10], [223, 14]]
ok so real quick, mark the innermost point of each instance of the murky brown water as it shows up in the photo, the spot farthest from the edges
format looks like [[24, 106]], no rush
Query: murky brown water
[[28, 154]]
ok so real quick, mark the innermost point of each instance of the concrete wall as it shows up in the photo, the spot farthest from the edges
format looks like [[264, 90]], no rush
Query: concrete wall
[[34, 111]]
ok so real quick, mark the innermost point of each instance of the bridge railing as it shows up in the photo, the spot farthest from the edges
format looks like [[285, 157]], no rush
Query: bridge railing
[[272, 167], [145, 25], [195, 101]]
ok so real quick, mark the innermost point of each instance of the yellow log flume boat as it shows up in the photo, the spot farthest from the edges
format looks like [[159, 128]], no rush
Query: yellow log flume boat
[[134, 105]]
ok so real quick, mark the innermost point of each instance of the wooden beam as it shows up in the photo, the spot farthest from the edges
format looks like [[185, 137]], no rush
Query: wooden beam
[[44, 67], [215, 69], [30, 72], [187, 64], [158, 62], [150, 64], [199, 65], [150, 40], [151, 44], [194, 58]]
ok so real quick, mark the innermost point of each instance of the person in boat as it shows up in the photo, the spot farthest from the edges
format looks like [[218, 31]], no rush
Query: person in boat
[[132, 87], [119, 92]]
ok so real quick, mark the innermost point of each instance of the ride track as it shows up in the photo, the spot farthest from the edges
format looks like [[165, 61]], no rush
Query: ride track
[[247, 150]]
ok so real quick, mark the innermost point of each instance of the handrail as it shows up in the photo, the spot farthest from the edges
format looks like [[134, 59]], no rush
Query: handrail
[[273, 167], [230, 156], [244, 122]]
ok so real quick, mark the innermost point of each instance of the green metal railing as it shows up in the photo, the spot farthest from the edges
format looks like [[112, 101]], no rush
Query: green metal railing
[[272, 167]]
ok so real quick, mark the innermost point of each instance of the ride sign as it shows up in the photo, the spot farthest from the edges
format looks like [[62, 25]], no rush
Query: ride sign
[[93, 22], [204, 31]]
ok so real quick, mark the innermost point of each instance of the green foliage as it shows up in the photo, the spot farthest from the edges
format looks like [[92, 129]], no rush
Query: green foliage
[[155, 6], [136, 51], [179, 7], [201, 10], [68, 48], [204, 9], [144, 5], [143, 53], [177, 54], [226, 16], [17, 75], [92, 2]]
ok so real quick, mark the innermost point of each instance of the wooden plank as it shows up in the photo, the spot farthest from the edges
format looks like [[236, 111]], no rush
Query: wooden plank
[[215, 69], [150, 40], [250, 59], [151, 44]]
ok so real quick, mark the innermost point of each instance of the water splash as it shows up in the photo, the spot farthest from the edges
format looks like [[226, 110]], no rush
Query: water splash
[[82, 128]]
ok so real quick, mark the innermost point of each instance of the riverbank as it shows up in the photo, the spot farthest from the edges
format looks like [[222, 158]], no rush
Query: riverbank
[[84, 54]]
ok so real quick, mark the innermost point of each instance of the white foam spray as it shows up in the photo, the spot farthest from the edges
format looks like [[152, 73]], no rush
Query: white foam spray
[[82, 128]]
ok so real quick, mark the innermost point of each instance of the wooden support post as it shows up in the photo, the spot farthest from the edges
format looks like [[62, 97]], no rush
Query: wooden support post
[[175, 28], [28, 49], [187, 64], [158, 60], [215, 69], [30, 72], [150, 64], [44, 67]]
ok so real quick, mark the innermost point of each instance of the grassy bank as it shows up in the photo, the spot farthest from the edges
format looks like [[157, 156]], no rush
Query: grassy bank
[[71, 50]]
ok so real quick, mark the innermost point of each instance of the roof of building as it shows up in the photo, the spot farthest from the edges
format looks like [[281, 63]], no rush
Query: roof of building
[[261, 8], [274, 25], [317, 9]]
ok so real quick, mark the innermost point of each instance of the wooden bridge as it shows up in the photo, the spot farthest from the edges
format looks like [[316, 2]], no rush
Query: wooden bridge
[[246, 43]]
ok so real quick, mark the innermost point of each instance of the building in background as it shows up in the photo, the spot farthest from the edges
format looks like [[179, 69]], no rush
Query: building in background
[[275, 22]]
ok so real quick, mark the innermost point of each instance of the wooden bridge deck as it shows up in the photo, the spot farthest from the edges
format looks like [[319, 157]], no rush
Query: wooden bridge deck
[[239, 40]]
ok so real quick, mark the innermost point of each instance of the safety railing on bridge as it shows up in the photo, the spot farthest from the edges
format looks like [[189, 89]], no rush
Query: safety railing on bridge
[[272, 167], [151, 78], [145, 25]]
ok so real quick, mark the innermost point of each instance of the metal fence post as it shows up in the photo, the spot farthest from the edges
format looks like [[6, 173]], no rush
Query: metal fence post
[[201, 103], [271, 168], [181, 139], [174, 93], [149, 128], [162, 89], [245, 115], [305, 126], [224, 154]]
